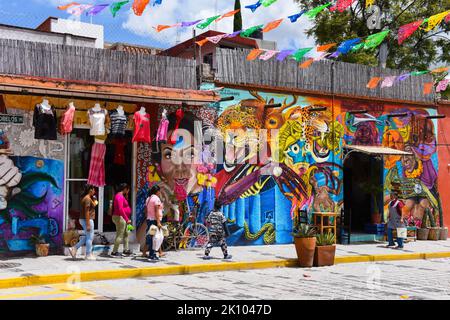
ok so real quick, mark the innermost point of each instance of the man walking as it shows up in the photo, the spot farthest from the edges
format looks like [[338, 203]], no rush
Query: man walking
[[395, 220], [217, 227]]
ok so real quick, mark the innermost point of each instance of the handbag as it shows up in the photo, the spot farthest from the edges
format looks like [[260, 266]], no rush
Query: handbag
[[152, 231], [402, 233], [165, 231]]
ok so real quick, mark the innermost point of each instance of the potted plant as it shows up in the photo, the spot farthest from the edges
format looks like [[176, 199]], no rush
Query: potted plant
[[41, 245], [325, 250], [423, 231], [305, 244]]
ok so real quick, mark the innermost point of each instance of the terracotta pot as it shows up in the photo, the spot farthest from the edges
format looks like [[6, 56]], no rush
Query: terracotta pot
[[324, 256], [444, 234], [434, 234], [375, 218], [42, 249], [305, 248], [422, 233]]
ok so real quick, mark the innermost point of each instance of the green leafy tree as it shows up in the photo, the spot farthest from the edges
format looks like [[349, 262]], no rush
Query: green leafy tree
[[237, 17], [423, 50]]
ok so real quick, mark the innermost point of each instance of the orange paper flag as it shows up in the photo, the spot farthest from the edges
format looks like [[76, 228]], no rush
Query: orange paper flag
[[373, 83], [139, 6], [272, 25], [229, 14], [202, 42], [67, 6], [162, 27], [254, 54], [307, 63], [326, 47], [428, 88], [439, 70]]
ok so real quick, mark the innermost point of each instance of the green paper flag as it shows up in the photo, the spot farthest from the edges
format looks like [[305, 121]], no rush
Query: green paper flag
[[248, 32], [376, 39], [357, 47], [267, 3], [419, 73], [116, 6], [314, 12], [208, 21], [299, 54]]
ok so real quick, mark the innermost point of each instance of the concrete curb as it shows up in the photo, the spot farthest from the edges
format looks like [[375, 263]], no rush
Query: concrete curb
[[197, 268]]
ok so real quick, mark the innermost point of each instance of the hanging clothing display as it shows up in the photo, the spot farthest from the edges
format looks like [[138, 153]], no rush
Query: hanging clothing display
[[141, 127], [119, 151], [118, 123], [66, 124], [44, 122], [161, 135], [97, 118], [97, 166]]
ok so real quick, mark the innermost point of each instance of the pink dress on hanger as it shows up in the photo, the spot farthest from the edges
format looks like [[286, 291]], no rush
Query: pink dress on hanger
[[162, 130], [67, 121]]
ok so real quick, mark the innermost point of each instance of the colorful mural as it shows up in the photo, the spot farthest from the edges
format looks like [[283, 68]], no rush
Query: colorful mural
[[31, 188], [414, 176], [268, 156], [31, 202]]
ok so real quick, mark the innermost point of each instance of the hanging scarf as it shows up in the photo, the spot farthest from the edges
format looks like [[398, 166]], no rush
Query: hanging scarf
[[179, 115]]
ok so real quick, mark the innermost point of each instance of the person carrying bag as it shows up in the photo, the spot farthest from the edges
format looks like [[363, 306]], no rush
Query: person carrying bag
[[396, 222], [154, 209]]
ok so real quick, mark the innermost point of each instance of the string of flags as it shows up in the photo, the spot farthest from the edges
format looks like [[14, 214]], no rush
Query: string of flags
[[345, 47], [264, 3], [389, 81], [203, 23], [77, 9]]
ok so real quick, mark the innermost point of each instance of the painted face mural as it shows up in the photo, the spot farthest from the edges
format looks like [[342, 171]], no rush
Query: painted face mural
[[413, 176]]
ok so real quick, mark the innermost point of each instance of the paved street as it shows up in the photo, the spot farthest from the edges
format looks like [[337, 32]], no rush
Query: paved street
[[417, 279]]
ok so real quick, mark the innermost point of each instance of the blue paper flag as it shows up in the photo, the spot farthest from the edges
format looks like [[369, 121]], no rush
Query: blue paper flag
[[346, 46], [255, 6], [295, 17]]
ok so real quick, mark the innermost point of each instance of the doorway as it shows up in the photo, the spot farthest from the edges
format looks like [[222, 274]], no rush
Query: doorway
[[363, 181], [118, 170]]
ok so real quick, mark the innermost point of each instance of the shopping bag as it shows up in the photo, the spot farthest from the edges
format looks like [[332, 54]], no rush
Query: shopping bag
[[402, 233], [158, 239]]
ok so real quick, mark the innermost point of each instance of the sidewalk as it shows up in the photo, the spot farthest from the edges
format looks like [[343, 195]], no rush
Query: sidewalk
[[26, 271]]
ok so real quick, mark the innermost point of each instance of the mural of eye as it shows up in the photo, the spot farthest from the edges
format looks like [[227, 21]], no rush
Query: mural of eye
[[273, 122], [295, 148]]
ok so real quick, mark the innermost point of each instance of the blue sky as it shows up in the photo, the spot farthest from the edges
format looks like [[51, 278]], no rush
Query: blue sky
[[127, 27]]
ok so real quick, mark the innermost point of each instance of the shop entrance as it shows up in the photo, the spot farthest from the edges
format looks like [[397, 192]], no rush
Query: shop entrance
[[362, 185], [118, 170]]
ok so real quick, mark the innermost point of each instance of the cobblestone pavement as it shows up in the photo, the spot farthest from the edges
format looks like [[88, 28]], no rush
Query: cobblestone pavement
[[414, 280]]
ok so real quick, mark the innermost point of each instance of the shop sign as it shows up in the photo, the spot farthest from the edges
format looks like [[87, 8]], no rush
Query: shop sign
[[7, 118]]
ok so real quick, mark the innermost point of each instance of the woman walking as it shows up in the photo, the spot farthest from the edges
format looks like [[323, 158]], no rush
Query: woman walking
[[154, 208], [121, 218], [395, 220], [87, 217]]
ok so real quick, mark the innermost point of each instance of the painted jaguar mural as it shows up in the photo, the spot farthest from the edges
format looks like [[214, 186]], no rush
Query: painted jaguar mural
[[283, 154]]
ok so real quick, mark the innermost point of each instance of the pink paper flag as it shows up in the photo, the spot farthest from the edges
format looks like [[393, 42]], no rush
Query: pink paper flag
[[216, 39], [442, 86], [407, 30], [268, 54], [388, 82], [341, 5], [78, 10]]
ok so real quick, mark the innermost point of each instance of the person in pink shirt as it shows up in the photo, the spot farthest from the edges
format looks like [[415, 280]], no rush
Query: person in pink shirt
[[121, 218], [154, 212]]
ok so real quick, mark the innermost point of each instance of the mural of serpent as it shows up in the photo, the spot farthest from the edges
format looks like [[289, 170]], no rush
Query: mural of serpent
[[268, 230]]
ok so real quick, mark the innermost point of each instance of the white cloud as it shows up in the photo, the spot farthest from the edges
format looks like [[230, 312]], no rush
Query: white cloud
[[288, 35]]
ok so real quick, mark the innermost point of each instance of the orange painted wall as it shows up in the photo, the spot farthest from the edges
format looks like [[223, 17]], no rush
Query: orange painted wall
[[444, 162]]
